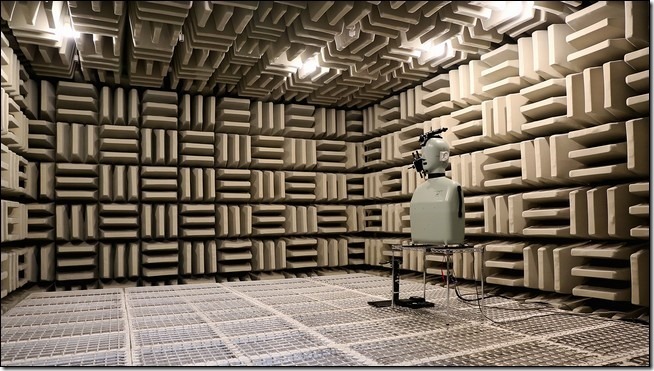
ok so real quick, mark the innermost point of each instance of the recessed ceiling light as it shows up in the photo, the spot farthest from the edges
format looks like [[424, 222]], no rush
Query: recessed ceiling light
[[67, 32], [309, 67]]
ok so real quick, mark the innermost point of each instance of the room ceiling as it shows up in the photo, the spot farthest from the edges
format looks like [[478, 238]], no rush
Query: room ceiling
[[333, 53]]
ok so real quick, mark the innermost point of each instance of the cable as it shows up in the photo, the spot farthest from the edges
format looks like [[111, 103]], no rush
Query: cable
[[552, 312], [547, 306]]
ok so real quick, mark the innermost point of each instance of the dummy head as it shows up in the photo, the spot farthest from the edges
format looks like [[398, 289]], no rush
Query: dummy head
[[436, 155]]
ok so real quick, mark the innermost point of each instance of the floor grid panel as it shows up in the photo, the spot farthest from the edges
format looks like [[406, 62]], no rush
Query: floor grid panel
[[12, 334], [323, 321], [169, 335]]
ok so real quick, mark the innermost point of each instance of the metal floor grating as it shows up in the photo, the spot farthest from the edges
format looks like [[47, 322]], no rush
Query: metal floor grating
[[534, 353], [608, 340], [47, 348], [335, 295], [248, 327], [108, 358], [237, 314], [63, 309], [8, 320], [186, 353], [319, 357], [278, 342], [188, 319], [168, 335], [12, 334], [322, 321], [361, 332], [544, 325], [310, 307], [229, 304], [286, 299]]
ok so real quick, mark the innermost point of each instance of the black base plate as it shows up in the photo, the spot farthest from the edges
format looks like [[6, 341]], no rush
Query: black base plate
[[412, 302], [380, 304]]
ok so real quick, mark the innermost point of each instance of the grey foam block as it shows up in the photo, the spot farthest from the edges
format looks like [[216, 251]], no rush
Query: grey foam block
[[641, 209], [303, 186], [119, 221], [159, 259], [536, 210], [159, 221], [76, 261], [119, 145], [639, 277], [299, 252], [159, 147], [40, 181], [233, 184], [234, 256], [620, 222], [197, 220], [42, 141], [77, 182], [14, 223], [14, 172], [119, 183], [196, 148], [76, 222], [268, 219], [40, 221], [118, 260], [197, 184], [159, 184]]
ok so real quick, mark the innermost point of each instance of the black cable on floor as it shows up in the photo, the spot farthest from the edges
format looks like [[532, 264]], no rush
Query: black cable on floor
[[549, 309]]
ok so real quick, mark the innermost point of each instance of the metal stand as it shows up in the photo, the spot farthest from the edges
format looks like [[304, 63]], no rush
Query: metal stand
[[395, 269], [412, 302], [415, 302], [447, 280]]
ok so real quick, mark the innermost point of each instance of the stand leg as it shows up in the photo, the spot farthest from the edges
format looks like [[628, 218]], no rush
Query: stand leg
[[396, 280], [424, 275], [483, 295], [447, 305]]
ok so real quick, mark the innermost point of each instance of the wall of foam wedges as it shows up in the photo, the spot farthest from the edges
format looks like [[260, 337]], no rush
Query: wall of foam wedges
[[550, 141], [105, 184], [521, 103]]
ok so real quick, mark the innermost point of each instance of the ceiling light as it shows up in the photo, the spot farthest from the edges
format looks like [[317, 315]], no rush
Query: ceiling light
[[282, 61], [492, 5], [66, 31], [514, 11], [309, 67], [513, 8], [430, 51], [435, 52], [438, 50]]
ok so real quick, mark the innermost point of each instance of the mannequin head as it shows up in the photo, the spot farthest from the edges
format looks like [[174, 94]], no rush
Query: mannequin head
[[436, 155]]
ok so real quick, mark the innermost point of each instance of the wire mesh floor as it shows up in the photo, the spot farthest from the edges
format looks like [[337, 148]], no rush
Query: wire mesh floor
[[323, 321]]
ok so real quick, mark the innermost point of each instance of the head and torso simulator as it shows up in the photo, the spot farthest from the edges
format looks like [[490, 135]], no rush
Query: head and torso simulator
[[437, 210]]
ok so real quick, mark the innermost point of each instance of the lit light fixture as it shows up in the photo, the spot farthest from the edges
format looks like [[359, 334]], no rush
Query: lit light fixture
[[435, 51], [492, 5], [512, 9], [309, 67], [430, 51], [67, 31]]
